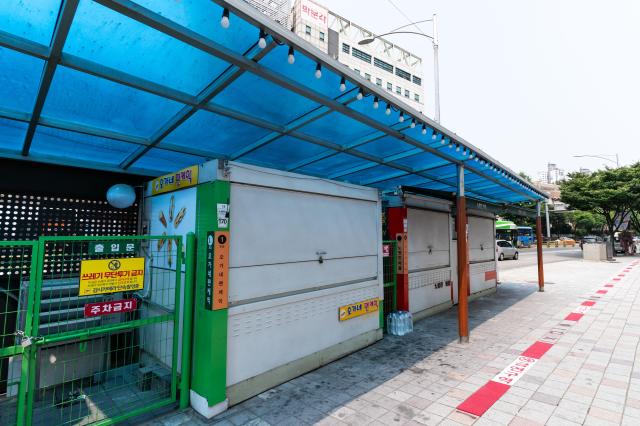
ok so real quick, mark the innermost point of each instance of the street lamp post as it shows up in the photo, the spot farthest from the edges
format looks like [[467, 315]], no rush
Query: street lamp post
[[434, 41], [603, 157]]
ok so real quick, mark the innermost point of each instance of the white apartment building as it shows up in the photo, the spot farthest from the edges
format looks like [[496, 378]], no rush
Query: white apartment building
[[394, 69]]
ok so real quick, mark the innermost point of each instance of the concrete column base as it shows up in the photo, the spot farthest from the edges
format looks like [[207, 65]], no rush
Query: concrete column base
[[464, 339], [201, 406]]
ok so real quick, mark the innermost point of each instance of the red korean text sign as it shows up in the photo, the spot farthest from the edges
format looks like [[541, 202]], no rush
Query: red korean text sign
[[110, 307]]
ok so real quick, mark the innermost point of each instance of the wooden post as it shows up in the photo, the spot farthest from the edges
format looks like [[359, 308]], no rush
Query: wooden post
[[539, 249], [463, 259]]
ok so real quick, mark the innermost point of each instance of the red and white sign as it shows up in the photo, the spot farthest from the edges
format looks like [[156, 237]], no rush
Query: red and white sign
[[386, 250], [110, 307], [313, 12]]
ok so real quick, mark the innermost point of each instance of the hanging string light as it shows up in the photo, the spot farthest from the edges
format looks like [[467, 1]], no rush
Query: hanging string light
[[424, 129], [360, 94], [413, 123], [291, 58], [388, 110], [401, 117], [318, 72], [224, 21], [262, 41], [343, 85], [375, 102]]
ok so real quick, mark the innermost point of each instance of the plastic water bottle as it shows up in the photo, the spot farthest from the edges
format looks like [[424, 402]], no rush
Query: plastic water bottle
[[403, 324], [394, 323], [389, 323], [410, 319]]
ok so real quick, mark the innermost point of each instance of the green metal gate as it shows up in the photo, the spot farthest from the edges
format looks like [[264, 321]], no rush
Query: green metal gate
[[85, 348], [389, 272]]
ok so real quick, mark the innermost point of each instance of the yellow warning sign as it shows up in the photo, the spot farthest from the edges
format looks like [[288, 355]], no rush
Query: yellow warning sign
[[359, 308], [111, 275]]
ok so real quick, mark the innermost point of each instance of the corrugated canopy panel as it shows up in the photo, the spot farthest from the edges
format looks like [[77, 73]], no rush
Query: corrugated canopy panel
[[150, 86]]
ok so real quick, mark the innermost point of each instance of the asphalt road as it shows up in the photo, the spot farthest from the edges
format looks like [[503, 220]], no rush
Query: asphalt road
[[551, 255]]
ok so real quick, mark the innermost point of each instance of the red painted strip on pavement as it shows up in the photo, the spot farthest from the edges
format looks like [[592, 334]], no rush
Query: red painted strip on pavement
[[588, 303], [573, 316], [537, 350], [608, 285], [482, 399], [616, 279], [601, 291]]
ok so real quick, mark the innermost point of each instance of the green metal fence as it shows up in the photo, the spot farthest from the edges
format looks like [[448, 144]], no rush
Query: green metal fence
[[96, 328], [389, 268]]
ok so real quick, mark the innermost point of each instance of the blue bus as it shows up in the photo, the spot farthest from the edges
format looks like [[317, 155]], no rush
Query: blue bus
[[525, 236]]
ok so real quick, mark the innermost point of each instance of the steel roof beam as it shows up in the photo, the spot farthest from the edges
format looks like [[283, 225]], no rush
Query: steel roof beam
[[231, 74], [179, 32], [56, 123], [65, 18]]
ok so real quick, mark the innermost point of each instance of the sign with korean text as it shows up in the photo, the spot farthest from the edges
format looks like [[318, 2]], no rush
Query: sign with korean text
[[313, 12], [181, 179], [217, 270], [113, 247], [358, 309], [110, 307], [402, 265], [386, 250], [111, 275]]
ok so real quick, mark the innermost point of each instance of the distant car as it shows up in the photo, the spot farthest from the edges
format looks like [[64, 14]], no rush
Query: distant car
[[506, 250], [564, 242]]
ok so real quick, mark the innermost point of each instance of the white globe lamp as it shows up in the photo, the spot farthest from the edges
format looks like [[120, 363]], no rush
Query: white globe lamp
[[121, 196]]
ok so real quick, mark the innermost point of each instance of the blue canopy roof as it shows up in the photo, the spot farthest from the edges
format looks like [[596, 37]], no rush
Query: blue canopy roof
[[151, 86]]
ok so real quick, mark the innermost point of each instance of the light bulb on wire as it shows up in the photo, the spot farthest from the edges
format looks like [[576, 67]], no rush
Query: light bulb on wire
[[388, 110], [424, 129], [224, 21], [413, 123], [401, 117], [262, 41], [318, 72], [375, 103], [343, 85], [360, 94], [291, 58]]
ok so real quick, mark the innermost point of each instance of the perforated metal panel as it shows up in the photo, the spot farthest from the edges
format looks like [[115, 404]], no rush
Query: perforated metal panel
[[26, 217]]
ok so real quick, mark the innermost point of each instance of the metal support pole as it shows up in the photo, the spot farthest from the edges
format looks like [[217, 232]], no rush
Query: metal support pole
[[463, 259], [436, 69], [539, 248], [187, 321], [546, 212]]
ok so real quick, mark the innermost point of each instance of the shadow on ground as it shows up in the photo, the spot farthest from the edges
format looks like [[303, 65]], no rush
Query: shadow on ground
[[423, 354]]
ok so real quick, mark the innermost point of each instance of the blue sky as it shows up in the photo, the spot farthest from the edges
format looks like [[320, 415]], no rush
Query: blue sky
[[530, 82]]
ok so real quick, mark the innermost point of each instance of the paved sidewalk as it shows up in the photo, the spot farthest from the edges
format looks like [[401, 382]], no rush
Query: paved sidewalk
[[588, 377]]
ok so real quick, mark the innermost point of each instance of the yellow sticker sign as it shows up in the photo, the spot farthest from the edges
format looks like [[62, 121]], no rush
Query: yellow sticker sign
[[111, 275], [357, 309], [181, 179]]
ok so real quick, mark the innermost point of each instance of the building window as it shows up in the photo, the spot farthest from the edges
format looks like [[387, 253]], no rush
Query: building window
[[346, 48], [398, 90], [361, 55], [406, 93], [416, 97], [307, 30], [367, 76], [417, 80], [403, 74], [383, 65], [357, 70], [379, 82], [389, 86], [321, 36]]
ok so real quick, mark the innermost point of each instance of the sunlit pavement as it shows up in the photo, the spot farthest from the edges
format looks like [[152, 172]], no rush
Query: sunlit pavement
[[588, 376]]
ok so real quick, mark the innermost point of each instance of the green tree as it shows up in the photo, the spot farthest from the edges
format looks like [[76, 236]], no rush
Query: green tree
[[585, 223], [609, 193]]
